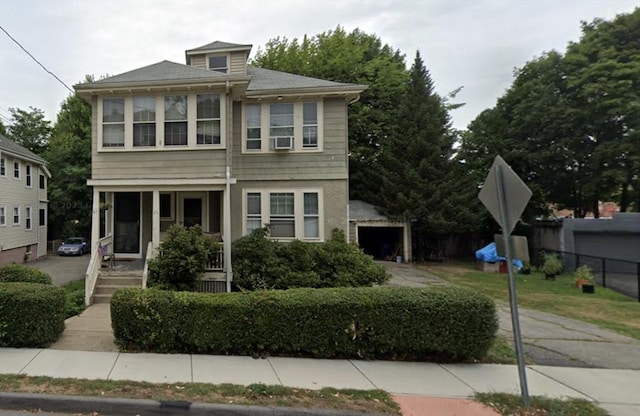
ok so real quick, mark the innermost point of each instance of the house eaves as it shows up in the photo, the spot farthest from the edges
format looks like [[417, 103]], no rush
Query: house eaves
[[13, 149]]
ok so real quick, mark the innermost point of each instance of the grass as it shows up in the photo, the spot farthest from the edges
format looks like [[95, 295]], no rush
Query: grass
[[74, 292], [605, 308], [509, 404], [368, 401], [501, 352]]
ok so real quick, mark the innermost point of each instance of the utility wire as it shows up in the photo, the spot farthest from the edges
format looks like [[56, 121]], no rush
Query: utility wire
[[38, 62]]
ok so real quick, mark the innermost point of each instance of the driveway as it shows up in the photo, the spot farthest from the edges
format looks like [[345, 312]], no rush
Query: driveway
[[548, 339], [63, 269]]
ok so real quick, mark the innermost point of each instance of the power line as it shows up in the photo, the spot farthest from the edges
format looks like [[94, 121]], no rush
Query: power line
[[38, 62]]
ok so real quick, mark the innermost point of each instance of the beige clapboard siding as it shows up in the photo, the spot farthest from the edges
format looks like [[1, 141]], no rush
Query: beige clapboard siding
[[13, 193], [331, 163], [237, 63], [199, 61], [159, 164]]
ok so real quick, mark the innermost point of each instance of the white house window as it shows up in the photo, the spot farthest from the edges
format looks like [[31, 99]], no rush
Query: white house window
[[311, 215], [144, 121], [16, 170], [310, 125], [208, 119], [43, 217], [27, 218], [282, 218], [16, 215], [254, 211], [166, 206], [28, 175], [280, 122], [113, 122], [253, 119], [218, 63], [3, 215], [42, 182], [175, 120], [3, 167]]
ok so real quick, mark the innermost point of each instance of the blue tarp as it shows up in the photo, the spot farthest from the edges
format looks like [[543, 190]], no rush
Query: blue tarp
[[489, 254]]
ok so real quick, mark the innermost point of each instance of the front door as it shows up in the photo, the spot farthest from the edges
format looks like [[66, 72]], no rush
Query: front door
[[127, 222]]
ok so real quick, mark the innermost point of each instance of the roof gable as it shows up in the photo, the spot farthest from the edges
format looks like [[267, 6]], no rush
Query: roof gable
[[218, 46], [9, 146], [161, 71]]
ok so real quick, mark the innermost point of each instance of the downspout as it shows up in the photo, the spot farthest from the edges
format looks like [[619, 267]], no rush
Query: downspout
[[227, 192]]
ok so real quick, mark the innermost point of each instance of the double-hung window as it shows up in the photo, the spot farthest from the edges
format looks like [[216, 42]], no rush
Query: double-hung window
[[281, 125], [43, 217], [282, 218], [144, 121], [3, 167], [113, 122], [218, 63], [254, 211], [310, 125], [27, 218], [27, 171], [42, 182], [3, 215], [16, 170], [16, 215], [253, 120], [175, 120], [311, 215], [208, 119]]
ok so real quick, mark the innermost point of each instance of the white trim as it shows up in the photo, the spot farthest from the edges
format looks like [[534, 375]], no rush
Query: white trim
[[298, 206], [178, 184], [172, 208], [297, 127], [19, 177], [202, 196], [4, 210], [28, 218], [13, 215], [28, 175], [3, 161], [218, 55]]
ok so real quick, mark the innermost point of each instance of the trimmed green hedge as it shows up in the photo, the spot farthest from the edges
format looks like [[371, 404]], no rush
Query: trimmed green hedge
[[31, 314], [440, 323], [21, 273]]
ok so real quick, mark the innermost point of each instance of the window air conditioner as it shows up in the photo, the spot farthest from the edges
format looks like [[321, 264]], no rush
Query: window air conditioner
[[283, 142]]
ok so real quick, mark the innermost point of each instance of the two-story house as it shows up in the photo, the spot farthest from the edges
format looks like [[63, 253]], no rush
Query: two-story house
[[219, 143], [23, 203]]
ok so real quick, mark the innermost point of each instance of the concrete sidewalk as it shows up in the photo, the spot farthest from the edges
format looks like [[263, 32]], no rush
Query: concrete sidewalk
[[614, 390]]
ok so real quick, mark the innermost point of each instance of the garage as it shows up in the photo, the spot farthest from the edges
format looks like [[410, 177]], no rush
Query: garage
[[377, 235]]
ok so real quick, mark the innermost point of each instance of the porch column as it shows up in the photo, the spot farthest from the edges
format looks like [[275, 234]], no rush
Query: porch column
[[226, 229], [95, 218], [155, 220]]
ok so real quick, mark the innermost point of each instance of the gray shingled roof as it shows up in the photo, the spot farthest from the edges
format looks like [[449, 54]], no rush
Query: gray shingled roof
[[219, 45], [9, 146], [161, 71], [364, 211], [267, 79]]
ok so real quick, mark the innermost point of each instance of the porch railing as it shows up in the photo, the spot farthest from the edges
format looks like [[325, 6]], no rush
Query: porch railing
[[93, 269], [151, 254], [216, 263]]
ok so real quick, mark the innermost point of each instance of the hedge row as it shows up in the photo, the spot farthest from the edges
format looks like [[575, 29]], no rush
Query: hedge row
[[31, 314], [21, 273], [441, 323]]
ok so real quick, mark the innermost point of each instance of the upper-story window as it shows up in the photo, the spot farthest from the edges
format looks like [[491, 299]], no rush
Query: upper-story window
[[113, 122], [144, 121], [218, 63], [208, 119], [3, 167], [43, 182], [175, 120], [27, 221], [282, 126], [17, 173], [253, 119], [28, 175]]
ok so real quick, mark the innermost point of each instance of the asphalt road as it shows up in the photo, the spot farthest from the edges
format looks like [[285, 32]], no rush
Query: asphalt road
[[63, 269]]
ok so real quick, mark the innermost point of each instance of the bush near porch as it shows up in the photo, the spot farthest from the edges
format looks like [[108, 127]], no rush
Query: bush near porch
[[431, 324], [31, 314], [262, 263], [20, 273]]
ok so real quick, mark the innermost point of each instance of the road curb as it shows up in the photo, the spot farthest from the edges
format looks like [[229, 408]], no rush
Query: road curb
[[141, 407]]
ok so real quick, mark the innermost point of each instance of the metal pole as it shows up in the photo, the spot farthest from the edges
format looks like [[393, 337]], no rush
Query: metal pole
[[638, 275], [515, 321], [604, 272]]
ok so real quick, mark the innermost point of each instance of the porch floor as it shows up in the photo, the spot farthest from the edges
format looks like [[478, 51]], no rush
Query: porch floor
[[128, 265]]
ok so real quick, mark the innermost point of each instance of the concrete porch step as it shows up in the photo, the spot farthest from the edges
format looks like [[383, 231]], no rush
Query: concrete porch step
[[121, 280], [98, 299], [107, 289]]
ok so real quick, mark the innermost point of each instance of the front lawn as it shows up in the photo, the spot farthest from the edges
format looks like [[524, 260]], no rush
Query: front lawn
[[604, 308]]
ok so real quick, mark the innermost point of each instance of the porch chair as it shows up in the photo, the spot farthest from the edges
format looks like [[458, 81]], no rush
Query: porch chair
[[107, 259]]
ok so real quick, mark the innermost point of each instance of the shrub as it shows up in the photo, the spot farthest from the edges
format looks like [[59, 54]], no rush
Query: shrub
[[439, 323], [181, 259], [74, 292], [261, 263], [31, 315], [21, 273], [551, 265]]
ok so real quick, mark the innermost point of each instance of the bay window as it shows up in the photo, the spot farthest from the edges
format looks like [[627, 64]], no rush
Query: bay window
[[175, 120], [208, 119], [113, 122], [144, 121]]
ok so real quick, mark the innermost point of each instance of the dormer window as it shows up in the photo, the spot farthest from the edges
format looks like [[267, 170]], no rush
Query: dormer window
[[218, 63]]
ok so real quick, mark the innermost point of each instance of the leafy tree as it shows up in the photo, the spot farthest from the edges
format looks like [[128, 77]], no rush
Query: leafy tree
[[69, 157], [29, 129], [3, 129], [354, 57]]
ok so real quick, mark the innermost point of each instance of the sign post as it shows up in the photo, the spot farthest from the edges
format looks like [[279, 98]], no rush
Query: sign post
[[505, 196]]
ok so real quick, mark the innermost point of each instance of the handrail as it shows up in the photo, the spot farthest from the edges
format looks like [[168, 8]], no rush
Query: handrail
[[151, 254], [91, 276]]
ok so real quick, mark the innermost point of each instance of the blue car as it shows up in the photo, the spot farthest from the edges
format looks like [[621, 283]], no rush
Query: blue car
[[74, 246]]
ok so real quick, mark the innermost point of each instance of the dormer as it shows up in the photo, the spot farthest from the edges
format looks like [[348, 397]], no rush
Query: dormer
[[223, 57]]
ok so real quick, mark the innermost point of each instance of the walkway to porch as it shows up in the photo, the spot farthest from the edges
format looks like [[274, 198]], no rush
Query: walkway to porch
[[89, 331]]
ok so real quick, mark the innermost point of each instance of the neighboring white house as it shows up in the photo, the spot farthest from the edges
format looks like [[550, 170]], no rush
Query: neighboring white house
[[23, 203]]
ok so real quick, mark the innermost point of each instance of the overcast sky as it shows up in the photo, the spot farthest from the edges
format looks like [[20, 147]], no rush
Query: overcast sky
[[471, 43]]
